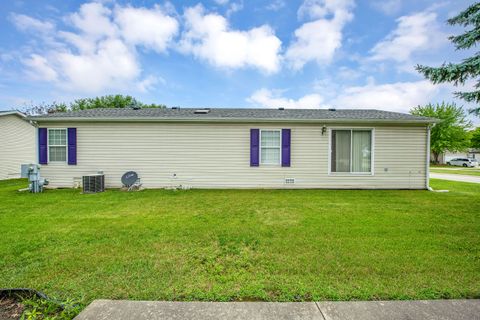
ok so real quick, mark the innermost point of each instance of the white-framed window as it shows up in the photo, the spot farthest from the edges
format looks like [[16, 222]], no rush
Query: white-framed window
[[57, 145], [351, 151], [270, 147]]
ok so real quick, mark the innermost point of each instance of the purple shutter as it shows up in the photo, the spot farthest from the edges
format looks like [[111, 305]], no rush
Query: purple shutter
[[42, 146], [286, 137], [72, 145], [254, 147]]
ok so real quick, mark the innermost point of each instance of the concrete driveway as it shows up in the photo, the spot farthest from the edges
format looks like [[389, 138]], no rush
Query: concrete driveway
[[455, 177], [358, 310]]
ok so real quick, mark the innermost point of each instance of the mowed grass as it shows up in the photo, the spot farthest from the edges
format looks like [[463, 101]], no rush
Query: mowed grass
[[224, 245], [462, 171]]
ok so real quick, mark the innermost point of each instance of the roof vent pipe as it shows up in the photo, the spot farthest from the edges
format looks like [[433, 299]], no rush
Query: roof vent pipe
[[281, 108], [332, 109], [202, 111]]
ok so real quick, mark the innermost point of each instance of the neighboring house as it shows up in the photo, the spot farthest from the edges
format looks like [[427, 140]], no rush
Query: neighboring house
[[17, 143], [237, 148], [469, 153]]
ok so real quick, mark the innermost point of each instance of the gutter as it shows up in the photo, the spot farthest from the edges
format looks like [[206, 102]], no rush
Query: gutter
[[427, 165], [230, 120], [17, 113]]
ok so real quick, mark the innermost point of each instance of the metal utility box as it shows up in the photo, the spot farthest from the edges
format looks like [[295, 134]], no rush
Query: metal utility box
[[93, 183], [32, 172]]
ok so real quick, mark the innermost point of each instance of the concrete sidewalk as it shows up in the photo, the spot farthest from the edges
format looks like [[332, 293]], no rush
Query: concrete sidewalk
[[455, 177], [358, 310]]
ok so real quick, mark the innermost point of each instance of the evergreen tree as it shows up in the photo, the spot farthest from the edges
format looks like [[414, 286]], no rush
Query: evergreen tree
[[469, 68]]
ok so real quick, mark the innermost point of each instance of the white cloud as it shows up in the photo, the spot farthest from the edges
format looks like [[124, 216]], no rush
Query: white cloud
[[234, 7], [208, 36], [387, 6], [318, 40], [149, 82], [26, 23], [40, 68], [399, 96], [101, 51], [273, 99], [112, 65], [414, 33], [276, 5], [94, 21], [348, 74], [320, 9], [151, 28], [83, 44], [221, 2], [5, 57]]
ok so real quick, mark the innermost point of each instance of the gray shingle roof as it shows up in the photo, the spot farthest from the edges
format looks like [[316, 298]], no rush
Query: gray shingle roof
[[232, 114]]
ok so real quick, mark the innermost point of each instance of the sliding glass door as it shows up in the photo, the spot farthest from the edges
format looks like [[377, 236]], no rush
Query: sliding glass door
[[351, 151]]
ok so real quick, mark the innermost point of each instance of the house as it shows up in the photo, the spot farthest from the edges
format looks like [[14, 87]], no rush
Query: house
[[470, 153], [237, 148], [17, 143]]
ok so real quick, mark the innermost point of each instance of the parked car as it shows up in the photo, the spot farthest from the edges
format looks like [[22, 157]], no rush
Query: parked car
[[463, 162]]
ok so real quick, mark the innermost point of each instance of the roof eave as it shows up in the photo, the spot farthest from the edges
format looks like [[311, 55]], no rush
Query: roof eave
[[18, 113], [150, 119]]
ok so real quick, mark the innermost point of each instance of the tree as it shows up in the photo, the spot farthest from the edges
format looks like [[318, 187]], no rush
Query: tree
[[475, 138], [109, 101], [450, 134], [44, 108], [469, 68]]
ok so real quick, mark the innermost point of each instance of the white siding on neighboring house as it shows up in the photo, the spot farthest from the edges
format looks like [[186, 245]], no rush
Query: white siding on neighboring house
[[213, 155], [452, 155], [466, 154], [17, 145], [447, 156]]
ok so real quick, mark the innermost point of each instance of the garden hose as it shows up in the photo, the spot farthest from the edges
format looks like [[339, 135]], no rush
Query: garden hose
[[27, 293]]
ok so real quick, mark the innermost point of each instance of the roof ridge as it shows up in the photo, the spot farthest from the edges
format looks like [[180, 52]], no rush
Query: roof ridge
[[235, 108], [233, 114]]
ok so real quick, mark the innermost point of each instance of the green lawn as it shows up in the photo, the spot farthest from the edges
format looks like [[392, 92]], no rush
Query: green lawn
[[243, 245], [457, 170]]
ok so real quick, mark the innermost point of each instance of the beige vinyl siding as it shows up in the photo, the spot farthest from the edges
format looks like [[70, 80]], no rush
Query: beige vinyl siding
[[218, 156], [17, 145]]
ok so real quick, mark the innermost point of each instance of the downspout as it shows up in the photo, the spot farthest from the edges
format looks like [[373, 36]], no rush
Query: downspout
[[427, 165], [37, 153]]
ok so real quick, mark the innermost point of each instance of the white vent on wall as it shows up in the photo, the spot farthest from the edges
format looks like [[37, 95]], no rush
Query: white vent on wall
[[289, 180]]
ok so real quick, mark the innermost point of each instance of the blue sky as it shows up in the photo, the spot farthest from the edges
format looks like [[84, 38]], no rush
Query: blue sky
[[227, 53]]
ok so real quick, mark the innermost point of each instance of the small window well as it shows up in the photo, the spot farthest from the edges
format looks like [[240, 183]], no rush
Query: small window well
[[202, 111]]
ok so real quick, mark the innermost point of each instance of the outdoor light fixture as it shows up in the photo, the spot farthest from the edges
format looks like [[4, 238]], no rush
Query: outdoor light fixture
[[324, 129]]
